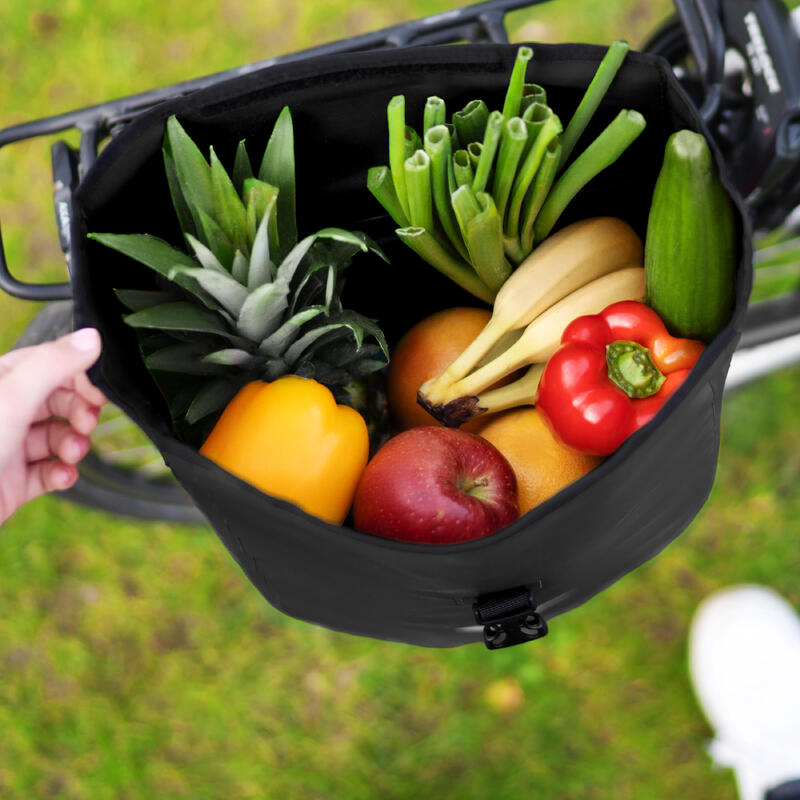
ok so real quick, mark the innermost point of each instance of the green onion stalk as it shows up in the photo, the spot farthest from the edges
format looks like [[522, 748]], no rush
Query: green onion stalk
[[418, 186], [396, 116], [516, 84], [482, 232], [548, 131], [512, 145], [462, 168], [474, 150], [437, 146], [451, 129], [491, 141], [411, 142], [601, 153], [380, 183], [484, 237], [474, 195], [470, 122], [429, 249], [435, 114], [594, 94], [532, 93], [465, 205], [535, 198], [534, 116]]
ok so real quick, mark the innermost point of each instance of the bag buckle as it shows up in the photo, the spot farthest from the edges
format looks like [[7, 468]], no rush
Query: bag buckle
[[509, 618]]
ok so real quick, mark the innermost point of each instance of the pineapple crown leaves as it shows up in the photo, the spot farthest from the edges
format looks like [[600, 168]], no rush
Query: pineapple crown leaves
[[246, 300]]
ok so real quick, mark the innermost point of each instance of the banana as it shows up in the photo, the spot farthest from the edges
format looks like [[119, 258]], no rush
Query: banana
[[538, 342], [518, 393], [564, 262]]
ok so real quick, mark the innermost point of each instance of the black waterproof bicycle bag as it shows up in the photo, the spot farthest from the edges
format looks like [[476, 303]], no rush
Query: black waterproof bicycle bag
[[562, 552]]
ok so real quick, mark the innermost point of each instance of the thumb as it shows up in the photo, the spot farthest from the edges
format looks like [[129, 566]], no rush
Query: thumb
[[43, 369]]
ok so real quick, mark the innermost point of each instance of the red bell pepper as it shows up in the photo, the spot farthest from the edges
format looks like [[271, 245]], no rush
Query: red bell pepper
[[611, 375]]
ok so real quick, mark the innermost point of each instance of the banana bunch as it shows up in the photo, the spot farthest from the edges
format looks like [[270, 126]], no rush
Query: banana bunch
[[579, 270]]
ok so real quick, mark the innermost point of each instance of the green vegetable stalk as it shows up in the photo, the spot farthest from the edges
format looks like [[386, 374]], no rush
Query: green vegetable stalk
[[380, 183], [484, 236], [470, 122], [475, 195], [491, 141], [437, 146], [427, 248], [465, 205], [462, 168], [418, 186], [512, 145], [534, 116], [601, 153], [608, 68], [536, 196], [516, 84], [474, 150], [532, 93], [549, 129], [396, 115], [411, 143], [434, 113]]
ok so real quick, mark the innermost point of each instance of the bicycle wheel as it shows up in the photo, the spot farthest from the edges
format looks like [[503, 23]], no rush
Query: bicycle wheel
[[123, 473]]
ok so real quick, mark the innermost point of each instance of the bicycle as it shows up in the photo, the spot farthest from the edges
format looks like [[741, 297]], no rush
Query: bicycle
[[738, 61]]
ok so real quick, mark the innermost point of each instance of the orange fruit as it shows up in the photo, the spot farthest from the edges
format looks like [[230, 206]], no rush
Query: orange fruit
[[424, 352], [542, 464]]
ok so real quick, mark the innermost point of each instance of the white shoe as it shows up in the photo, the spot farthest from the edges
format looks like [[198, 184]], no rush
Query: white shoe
[[744, 662]]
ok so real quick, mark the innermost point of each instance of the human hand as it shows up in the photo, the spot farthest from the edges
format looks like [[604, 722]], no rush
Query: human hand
[[38, 453]]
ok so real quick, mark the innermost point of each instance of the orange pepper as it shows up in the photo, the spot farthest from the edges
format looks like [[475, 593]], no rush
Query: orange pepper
[[290, 439]]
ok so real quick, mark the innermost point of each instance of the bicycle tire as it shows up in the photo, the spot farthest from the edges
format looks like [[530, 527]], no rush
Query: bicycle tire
[[102, 485], [668, 40]]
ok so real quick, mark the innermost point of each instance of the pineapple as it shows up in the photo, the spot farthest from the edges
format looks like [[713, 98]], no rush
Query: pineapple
[[246, 300]]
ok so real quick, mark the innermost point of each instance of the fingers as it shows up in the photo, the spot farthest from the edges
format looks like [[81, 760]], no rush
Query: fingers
[[49, 379], [35, 373], [88, 391], [70, 401], [70, 406], [49, 476], [52, 450], [55, 438]]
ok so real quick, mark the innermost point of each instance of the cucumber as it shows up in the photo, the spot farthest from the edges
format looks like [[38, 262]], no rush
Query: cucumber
[[690, 249]]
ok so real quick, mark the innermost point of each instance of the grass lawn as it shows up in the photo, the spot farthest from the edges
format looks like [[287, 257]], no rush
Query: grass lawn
[[136, 661]]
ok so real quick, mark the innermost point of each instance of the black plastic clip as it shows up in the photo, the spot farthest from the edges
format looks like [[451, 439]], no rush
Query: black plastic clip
[[509, 618]]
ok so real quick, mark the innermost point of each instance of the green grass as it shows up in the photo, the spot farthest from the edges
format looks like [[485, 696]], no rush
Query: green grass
[[137, 662]]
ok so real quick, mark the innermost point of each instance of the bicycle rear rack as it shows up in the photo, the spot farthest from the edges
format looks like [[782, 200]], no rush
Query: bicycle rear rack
[[483, 22]]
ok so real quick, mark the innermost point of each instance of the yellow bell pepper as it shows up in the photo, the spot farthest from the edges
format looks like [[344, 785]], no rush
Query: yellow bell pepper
[[290, 439]]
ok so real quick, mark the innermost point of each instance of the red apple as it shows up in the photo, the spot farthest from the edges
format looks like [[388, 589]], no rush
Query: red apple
[[436, 486]]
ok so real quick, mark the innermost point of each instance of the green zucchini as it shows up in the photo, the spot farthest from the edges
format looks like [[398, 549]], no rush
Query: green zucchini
[[690, 249]]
